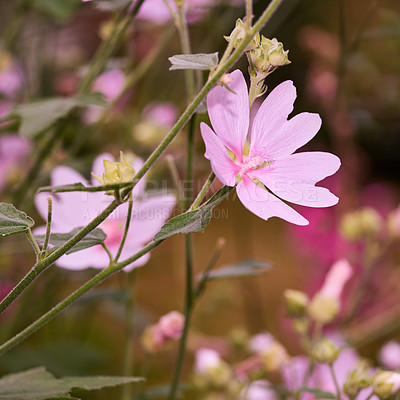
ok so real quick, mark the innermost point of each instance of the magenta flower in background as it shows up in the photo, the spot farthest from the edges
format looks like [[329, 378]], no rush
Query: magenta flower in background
[[76, 209], [270, 160], [162, 114], [13, 150], [389, 355], [171, 325]]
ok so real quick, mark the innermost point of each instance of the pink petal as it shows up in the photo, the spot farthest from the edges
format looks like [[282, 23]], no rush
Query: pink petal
[[224, 168], [264, 204], [94, 257], [293, 178], [272, 114], [229, 112]]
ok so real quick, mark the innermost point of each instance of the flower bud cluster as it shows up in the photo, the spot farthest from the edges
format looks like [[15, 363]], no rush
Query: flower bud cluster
[[156, 337], [239, 33], [358, 379], [386, 384], [361, 224]]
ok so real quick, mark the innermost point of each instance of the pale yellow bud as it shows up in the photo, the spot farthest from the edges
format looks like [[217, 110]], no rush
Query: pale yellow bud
[[301, 326], [361, 224], [273, 357], [358, 379], [239, 33], [296, 303], [385, 384], [325, 351], [323, 309]]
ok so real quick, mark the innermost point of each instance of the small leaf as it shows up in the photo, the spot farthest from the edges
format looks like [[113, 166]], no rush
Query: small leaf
[[199, 61], [244, 268], [38, 384], [13, 221], [97, 236], [37, 116], [318, 394], [193, 221]]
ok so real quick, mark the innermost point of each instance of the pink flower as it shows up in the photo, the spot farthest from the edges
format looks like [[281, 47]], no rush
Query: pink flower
[[76, 209], [13, 150], [270, 161], [259, 390], [389, 355], [260, 342], [340, 272], [162, 114], [206, 359], [110, 83], [171, 325]]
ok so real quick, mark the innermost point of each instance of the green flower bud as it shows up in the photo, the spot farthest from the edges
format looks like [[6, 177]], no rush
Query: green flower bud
[[361, 224], [323, 309], [301, 326], [116, 172], [325, 351], [239, 33], [358, 379], [296, 303], [385, 384]]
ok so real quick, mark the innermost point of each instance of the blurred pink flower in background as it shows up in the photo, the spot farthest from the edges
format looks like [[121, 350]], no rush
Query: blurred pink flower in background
[[171, 325], [335, 280], [270, 161], [259, 390], [206, 359], [389, 355], [13, 150], [258, 343], [111, 84], [162, 114], [75, 209]]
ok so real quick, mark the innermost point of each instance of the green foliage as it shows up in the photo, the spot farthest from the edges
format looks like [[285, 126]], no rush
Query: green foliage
[[60, 9], [37, 116], [318, 394], [199, 61], [242, 269], [193, 221], [13, 221], [38, 384], [97, 236]]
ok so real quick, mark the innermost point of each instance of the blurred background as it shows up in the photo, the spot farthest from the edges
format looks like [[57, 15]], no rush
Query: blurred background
[[346, 66]]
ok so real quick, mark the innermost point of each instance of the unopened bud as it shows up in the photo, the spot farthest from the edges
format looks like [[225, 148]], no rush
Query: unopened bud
[[325, 351], [296, 303], [274, 357], [358, 379], [116, 172], [301, 326], [385, 384], [239, 33], [361, 224], [323, 309]]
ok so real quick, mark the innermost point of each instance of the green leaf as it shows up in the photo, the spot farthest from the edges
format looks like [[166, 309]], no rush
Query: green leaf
[[193, 221], [111, 5], [39, 115], [244, 268], [97, 236], [199, 61], [38, 384], [318, 394], [13, 221]]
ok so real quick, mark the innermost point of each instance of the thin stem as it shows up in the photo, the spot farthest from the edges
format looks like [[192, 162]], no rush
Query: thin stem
[[127, 224], [338, 395], [48, 226], [249, 12], [33, 242], [203, 192], [189, 167], [107, 250], [188, 315], [100, 277], [175, 178], [128, 348]]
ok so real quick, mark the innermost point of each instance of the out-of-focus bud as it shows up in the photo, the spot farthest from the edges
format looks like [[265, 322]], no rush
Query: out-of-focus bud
[[389, 355], [260, 342], [171, 325], [325, 351], [239, 337], [239, 33], [152, 339], [361, 224], [301, 326], [385, 384], [358, 379], [258, 390], [274, 357], [116, 172], [325, 305], [393, 223], [269, 55], [296, 303]]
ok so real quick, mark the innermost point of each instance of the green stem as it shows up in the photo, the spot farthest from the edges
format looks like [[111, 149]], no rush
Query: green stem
[[100, 277], [33, 243], [107, 250], [249, 12], [338, 395], [127, 224], [48, 226], [188, 315], [203, 192], [128, 348]]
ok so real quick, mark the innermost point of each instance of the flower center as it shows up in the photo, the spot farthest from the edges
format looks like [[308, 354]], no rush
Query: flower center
[[252, 163]]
